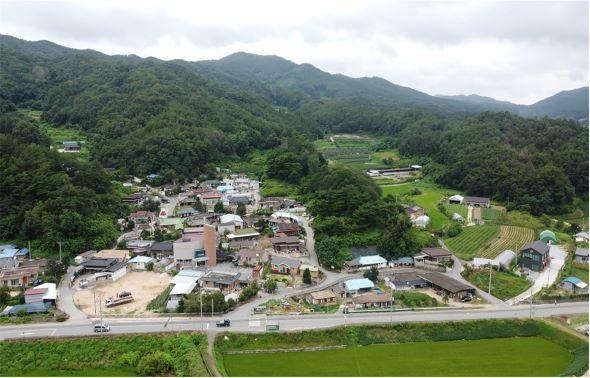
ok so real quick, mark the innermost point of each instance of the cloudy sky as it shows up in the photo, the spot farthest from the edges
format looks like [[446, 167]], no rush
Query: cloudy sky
[[516, 51]]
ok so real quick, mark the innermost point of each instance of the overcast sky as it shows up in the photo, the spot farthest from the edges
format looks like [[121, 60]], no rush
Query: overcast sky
[[515, 51]]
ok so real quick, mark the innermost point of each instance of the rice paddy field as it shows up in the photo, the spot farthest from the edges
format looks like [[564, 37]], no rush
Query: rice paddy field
[[484, 357], [509, 237], [471, 240]]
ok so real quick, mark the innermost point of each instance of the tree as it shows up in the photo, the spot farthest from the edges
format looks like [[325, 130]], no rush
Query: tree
[[332, 252], [4, 295], [574, 228], [306, 276], [218, 208], [180, 307], [249, 291], [372, 274], [149, 266], [198, 206], [270, 286], [241, 209], [157, 363], [398, 240]]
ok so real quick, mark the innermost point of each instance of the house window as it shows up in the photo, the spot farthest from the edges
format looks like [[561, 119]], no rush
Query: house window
[[15, 282]]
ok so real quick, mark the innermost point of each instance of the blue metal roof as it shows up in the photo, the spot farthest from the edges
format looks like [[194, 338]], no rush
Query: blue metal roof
[[359, 283], [7, 246], [140, 259], [370, 260], [8, 252], [573, 280], [22, 252]]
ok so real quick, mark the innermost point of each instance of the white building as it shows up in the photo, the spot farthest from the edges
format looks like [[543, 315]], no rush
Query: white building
[[422, 221], [229, 223]]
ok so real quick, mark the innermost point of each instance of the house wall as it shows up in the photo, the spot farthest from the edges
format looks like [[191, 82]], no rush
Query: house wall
[[7, 263], [118, 274]]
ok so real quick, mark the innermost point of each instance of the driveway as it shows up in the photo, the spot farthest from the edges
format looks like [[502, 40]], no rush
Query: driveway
[[66, 298], [547, 277]]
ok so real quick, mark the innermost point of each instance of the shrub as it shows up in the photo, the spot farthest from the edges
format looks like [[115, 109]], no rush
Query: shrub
[[128, 359], [157, 363]]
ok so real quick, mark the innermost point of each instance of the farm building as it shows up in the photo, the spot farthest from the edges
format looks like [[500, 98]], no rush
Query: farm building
[[548, 236], [413, 211], [140, 262], [534, 256], [71, 146], [402, 261], [573, 284], [285, 243], [504, 260], [581, 255], [437, 255], [372, 300], [406, 280], [358, 285], [84, 256], [582, 237], [456, 199], [45, 293], [448, 285], [367, 262], [105, 268], [322, 297], [477, 201], [421, 221]]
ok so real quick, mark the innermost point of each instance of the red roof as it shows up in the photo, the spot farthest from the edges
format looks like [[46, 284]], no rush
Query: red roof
[[36, 291], [211, 195], [141, 214]]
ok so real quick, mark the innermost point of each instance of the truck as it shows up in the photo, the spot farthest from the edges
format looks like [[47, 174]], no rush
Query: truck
[[112, 302], [223, 323]]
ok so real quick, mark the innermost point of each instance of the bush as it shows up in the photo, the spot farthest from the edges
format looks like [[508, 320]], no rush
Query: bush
[[128, 359], [149, 266], [157, 363]]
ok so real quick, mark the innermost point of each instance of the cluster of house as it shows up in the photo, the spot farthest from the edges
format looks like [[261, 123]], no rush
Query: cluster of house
[[17, 269], [367, 257]]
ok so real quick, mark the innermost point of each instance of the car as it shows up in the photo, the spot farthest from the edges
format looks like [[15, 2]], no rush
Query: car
[[102, 327], [38, 282], [223, 323], [124, 294], [466, 298]]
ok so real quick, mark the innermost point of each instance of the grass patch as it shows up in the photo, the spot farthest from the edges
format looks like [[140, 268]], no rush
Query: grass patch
[[504, 285], [276, 188], [493, 357], [104, 355], [471, 239], [510, 237], [429, 198], [412, 299]]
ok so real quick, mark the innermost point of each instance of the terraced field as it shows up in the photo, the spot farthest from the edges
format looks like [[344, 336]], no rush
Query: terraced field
[[471, 239], [487, 213], [510, 237]]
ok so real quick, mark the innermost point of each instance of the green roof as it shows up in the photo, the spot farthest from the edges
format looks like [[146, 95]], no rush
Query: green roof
[[245, 231], [547, 235]]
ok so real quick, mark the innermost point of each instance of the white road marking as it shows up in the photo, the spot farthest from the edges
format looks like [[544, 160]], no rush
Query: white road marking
[[254, 323], [53, 332], [207, 325]]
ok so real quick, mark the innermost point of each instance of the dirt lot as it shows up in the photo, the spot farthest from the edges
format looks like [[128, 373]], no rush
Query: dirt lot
[[143, 285]]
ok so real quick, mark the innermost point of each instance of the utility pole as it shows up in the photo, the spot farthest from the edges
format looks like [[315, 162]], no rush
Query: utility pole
[[201, 303], [94, 299], [531, 304], [490, 281], [59, 242], [30, 252], [391, 300], [100, 309]]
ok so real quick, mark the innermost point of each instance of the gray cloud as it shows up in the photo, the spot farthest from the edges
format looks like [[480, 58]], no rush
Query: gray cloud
[[518, 51]]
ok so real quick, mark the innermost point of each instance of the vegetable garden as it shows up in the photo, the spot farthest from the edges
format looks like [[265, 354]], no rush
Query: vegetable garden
[[510, 237]]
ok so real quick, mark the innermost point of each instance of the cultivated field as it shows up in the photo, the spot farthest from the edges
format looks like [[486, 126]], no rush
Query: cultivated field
[[488, 357], [487, 213], [354, 151], [471, 239], [504, 285], [510, 237]]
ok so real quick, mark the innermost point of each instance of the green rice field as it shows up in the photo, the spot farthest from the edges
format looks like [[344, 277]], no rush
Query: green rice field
[[484, 357], [471, 239]]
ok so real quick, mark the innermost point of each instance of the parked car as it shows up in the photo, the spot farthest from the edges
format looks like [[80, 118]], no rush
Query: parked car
[[102, 327], [466, 298], [223, 323], [38, 282], [124, 294]]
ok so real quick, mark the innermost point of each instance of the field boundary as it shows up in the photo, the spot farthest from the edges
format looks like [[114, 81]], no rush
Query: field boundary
[[280, 350]]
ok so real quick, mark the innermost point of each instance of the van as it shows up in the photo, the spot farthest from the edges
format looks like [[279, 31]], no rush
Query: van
[[102, 328]]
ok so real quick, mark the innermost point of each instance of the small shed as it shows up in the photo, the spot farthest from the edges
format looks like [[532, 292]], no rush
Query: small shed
[[422, 221], [573, 284], [548, 236], [140, 262], [456, 199]]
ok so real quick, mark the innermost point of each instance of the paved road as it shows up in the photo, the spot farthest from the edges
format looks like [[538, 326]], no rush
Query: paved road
[[287, 323], [66, 298]]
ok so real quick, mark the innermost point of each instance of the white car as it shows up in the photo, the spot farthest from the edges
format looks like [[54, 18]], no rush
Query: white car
[[102, 328]]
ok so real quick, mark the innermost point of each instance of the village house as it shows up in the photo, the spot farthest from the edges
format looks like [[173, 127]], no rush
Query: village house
[[8, 258], [322, 298], [84, 256], [413, 211], [18, 277], [139, 247], [582, 237], [477, 201], [135, 198], [161, 250], [284, 265], [44, 293], [189, 253], [251, 257], [534, 256], [185, 212], [229, 223], [406, 280], [225, 282], [358, 286], [402, 261], [285, 243], [289, 229], [366, 262], [142, 217], [272, 203], [139, 262], [243, 234], [372, 300], [436, 255], [71, 146], [209, 199], [120, 255], [105, 268], [581, 255], [40, 264], [314, 270], [170, 224]]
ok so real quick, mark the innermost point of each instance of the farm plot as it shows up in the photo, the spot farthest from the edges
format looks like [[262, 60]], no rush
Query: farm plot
[[487, 213], [510, 237], [471, 239]]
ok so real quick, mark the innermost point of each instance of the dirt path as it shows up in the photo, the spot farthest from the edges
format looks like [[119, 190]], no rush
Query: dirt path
[[564, 328], [211, 362]]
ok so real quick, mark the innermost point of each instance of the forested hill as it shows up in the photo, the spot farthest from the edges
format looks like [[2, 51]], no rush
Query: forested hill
[[143, 115], [565, 104]]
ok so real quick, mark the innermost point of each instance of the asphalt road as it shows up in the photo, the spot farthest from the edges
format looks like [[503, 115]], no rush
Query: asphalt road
[[287, 323]]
